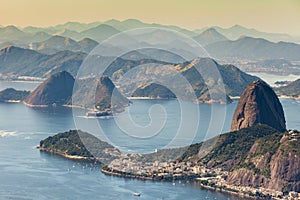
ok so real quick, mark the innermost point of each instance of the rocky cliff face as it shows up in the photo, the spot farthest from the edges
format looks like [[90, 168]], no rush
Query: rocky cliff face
[[108, 97], [258, 105], [55, 90], [271, 164], [99, 93]]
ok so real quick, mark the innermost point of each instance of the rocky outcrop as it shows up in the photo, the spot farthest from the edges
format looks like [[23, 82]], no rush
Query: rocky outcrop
[[98, 93], [272, 163], [108, 96], [258, 105], [285, 173], [245, 177], [56, 90]]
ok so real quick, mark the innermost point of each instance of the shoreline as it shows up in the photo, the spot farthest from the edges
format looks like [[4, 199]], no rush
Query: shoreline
[[188, 179], [149, 98], [191, 180], [34, 106], [70, 157]]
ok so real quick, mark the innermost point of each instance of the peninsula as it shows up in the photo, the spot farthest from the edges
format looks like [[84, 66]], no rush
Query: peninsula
[[256, 160]]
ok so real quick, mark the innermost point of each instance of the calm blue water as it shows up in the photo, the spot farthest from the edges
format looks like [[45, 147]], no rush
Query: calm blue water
[[26, 173]]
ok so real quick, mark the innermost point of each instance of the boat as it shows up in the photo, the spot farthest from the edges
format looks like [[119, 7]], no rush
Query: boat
[[97, 113], [137, 194]]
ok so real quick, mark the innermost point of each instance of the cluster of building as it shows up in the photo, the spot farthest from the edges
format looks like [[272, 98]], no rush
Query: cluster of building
[[293, 135], [127, 166], [174, 170]]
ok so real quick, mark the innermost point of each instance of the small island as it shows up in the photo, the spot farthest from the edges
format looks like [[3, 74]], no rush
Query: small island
[[12, 95]]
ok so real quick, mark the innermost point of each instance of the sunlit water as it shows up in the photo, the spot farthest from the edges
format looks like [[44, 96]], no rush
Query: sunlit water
[[26, 173]]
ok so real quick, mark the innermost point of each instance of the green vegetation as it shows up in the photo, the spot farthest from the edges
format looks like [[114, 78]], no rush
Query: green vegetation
[[11, 94], [104, 104], [268, 144], [232, 146], [67, 143], [73, 143], [291, 147], [154, 90]]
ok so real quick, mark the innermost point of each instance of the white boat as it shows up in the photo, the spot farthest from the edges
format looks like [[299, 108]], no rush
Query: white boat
[[137, 194], [98, 113]]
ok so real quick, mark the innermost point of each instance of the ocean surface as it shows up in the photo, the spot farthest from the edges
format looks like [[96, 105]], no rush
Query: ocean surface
[[27, 173]]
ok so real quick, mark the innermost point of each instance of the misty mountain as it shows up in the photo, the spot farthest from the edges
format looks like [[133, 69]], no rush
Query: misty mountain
[[25, 62], [254, 48], [237, 31], [209, 36], [87, 44], [15, 35], [58, 43], [234, 79], [12, 33], [134, 23], [76, 26], [74, 29], [68, 33], [100, 32]]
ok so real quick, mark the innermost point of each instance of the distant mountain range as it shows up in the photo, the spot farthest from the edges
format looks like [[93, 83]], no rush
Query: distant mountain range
[[209, 36], [237, 31], [234, 79], [78, 31], [255, 49], [19, 61], [58, 43], [42, 52], [23, 62], [236, 42]]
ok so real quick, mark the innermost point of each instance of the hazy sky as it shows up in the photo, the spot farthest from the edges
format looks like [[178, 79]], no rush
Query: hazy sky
[[266, 15]]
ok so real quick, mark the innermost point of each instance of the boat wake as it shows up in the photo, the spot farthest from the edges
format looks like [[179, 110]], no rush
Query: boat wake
[[4, 133], [26, 135]]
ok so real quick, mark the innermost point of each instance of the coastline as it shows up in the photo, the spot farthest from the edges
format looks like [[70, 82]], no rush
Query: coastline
[[195, 179], [34, 106], [149, 98], [70, 157], [288, 97], [192, 180]]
